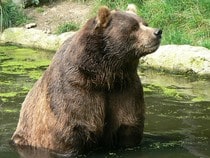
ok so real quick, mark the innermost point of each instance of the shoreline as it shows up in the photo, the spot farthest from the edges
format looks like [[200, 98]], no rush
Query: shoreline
[[181, 59]]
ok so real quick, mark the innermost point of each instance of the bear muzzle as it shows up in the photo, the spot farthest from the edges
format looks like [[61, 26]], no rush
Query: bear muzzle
[[158, 33]]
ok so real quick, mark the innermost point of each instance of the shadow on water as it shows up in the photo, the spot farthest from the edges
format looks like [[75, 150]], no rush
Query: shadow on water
[[177, 112]]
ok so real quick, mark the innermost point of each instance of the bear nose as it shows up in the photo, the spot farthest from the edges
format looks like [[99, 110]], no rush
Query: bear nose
[[158, 33]]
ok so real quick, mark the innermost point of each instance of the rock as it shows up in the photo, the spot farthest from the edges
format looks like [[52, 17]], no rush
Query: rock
[[62, 37], [180, 58], [27, 3], [31, 25], [33, 38]]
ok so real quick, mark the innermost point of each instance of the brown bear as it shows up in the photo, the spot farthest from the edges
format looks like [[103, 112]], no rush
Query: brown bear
[[91, 95]]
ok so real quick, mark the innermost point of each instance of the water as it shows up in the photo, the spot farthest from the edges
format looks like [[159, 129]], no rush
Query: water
[[177, 115]]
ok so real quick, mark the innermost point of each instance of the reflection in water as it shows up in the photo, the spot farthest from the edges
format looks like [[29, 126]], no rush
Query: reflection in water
[[29, 152], [179, 105], [193, 143], [177, 114]]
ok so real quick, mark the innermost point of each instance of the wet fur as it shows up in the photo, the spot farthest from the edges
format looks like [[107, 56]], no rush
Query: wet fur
[[90, 95]]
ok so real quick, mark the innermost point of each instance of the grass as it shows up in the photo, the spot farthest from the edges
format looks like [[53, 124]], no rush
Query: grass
[[11, 15], [183, 21], [39, 9], [66, 27]]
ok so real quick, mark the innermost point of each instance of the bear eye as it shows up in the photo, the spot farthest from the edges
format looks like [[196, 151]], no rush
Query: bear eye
[[135, 27]]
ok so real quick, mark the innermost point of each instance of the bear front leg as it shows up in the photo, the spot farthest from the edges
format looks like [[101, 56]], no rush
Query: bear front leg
[[129, 120], [127, 107], [80, 141], [129, 136]]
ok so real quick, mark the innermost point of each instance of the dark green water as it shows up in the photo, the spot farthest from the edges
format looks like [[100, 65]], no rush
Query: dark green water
[[177, 116]]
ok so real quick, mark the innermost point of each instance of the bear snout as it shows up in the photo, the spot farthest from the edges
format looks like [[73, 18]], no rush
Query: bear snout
[[158, 33]]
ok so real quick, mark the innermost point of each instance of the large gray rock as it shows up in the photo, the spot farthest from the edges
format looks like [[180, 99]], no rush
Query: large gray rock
[[33, 38], [180, 58]]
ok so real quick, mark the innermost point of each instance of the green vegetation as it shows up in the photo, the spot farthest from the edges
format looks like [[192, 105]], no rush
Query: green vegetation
[[11, 15], [39, 9], [182, 21], [117, 4], [172, 92], [198, 99], [35, 2], [23, 61], [70, 26], [20, 68]]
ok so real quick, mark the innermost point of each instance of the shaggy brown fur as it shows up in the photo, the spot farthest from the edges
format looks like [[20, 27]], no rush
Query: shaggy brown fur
[[91, 94]]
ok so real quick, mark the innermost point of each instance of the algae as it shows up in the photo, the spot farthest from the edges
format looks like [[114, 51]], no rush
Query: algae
[[162, 90], [22, 61], [10, 94], [198, 99], [18, 65], [10, 110]]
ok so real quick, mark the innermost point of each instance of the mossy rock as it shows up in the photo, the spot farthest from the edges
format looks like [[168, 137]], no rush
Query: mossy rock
[[180, 58], [33, 38]]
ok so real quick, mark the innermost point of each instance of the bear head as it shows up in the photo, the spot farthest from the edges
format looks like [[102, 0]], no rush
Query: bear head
[[109, 46], [129, 33]]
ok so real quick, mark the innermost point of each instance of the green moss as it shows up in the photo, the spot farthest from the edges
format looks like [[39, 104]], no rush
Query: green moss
[[171, 92], [162, 90], [35, 74], [161, 145], [22, 61], [20, 68], [198, 99], [147, 89], [7, 95], [6, 83], [4, 99], [10, 110]]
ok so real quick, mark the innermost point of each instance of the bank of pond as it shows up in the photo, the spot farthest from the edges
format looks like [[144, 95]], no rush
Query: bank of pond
[[177, 109]]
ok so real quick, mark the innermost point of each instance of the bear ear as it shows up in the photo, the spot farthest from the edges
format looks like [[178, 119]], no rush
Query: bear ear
[[103, 17], [131, 9]]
